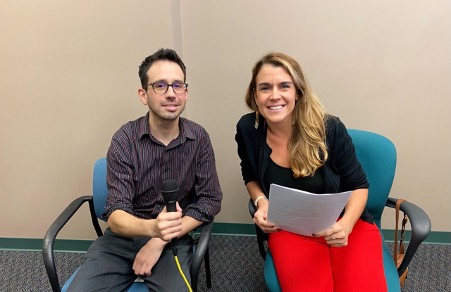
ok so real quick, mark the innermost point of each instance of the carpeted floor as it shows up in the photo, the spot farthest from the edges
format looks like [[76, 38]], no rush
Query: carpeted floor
[[235, 265]]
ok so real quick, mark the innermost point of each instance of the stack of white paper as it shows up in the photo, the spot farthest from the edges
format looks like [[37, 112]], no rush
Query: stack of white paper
[[303, 212]]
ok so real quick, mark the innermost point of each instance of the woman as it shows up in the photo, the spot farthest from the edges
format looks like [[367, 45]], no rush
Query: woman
[[290, 140]]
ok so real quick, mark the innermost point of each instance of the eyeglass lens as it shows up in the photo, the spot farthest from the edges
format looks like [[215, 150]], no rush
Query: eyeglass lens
[[161, 87]]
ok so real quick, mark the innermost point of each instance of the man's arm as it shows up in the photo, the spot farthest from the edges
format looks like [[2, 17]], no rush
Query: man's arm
[[151, 251], [166, 226], [189, 224]]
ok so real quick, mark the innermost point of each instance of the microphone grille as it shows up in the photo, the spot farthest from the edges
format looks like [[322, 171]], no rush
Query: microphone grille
[[169, 185]]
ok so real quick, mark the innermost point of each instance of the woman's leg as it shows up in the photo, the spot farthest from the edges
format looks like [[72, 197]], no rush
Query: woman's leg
[[359, 265], [302, 262]]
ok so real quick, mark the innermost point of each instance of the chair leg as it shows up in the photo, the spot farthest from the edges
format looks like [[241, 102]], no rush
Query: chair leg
[[207, 267], [193, 285]]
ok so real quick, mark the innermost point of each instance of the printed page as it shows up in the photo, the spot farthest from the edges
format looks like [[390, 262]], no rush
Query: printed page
[[303, 212]]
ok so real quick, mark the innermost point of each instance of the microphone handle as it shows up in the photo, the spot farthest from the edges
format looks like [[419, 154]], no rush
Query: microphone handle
[[171, 207]]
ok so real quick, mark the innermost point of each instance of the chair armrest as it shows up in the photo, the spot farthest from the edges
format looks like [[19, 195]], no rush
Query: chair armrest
[[261, 236], [252, 208], [420, 225], [201, 249], [54, 229]]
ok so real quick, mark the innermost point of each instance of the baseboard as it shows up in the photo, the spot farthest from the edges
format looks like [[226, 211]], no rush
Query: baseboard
[[74, 245], [435, 237], [34, 244]]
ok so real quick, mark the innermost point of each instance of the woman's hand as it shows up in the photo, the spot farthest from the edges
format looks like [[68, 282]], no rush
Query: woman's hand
[[261, 218], [336, 235]]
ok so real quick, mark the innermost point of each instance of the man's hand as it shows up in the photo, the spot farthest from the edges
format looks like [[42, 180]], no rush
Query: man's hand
[[147, 256], [168, 225]]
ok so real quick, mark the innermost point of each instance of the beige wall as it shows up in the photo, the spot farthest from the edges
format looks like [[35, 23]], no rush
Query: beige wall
[[68, 80], [383, 66]]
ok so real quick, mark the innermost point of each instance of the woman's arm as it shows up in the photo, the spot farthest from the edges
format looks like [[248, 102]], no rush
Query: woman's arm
[[255, 191], [353, 209], [261, 216]]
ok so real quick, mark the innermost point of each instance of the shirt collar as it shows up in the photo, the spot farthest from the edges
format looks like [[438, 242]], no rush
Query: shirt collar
[[186, 132]]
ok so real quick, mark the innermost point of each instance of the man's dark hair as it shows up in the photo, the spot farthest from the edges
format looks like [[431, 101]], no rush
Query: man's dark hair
[[160, 55]]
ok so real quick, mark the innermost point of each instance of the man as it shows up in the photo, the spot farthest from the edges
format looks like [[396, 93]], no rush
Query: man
[[143, 153]]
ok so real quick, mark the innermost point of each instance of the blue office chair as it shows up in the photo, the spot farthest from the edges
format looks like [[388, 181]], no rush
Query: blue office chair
[[377, 155], [96, 204]]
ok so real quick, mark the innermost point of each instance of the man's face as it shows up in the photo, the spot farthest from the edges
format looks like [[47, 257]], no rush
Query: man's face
[[164, 106]]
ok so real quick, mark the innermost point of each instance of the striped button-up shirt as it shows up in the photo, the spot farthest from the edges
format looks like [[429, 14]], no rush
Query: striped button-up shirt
[[137, 164]]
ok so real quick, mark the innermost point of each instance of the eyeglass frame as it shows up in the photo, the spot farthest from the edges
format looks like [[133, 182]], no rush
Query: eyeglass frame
[[167, 87]]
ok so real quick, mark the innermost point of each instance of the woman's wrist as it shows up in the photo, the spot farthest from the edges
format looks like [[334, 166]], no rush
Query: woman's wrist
[[347, 224], [260, 199]]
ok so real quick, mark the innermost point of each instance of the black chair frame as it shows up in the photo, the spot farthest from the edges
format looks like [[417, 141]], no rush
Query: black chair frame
[[201, 241]]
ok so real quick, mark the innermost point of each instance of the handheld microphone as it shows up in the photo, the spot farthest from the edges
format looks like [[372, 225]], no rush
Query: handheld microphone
[[169, 190]]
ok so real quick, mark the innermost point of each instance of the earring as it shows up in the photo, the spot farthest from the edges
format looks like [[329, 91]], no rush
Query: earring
[[256, 119]]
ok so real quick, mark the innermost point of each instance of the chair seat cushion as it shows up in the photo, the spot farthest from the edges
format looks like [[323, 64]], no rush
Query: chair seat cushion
[[135, 287], [391, 273], [270, 274]]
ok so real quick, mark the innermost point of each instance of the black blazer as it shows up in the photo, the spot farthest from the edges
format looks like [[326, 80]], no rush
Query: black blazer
[[342, 170]]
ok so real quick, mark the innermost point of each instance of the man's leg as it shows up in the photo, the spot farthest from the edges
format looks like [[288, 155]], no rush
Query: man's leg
[[165, 274], [108, 265]]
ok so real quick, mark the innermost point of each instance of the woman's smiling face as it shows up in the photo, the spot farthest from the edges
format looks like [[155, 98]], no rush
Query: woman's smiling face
[[275, 94]]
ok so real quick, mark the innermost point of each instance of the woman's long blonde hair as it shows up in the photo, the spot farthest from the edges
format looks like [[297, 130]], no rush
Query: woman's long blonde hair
[[307, 144]]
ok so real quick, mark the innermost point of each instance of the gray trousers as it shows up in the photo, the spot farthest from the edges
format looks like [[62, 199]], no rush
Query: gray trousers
[[109, 261]]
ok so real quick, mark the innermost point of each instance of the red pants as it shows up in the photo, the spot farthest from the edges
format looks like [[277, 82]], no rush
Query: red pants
[[305, 263]]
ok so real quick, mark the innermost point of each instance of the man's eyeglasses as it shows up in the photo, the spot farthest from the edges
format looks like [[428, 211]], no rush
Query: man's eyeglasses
[[162, 87]]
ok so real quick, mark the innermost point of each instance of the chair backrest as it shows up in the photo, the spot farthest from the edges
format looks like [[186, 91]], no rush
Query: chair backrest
[[377, 155], [99, 188]]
